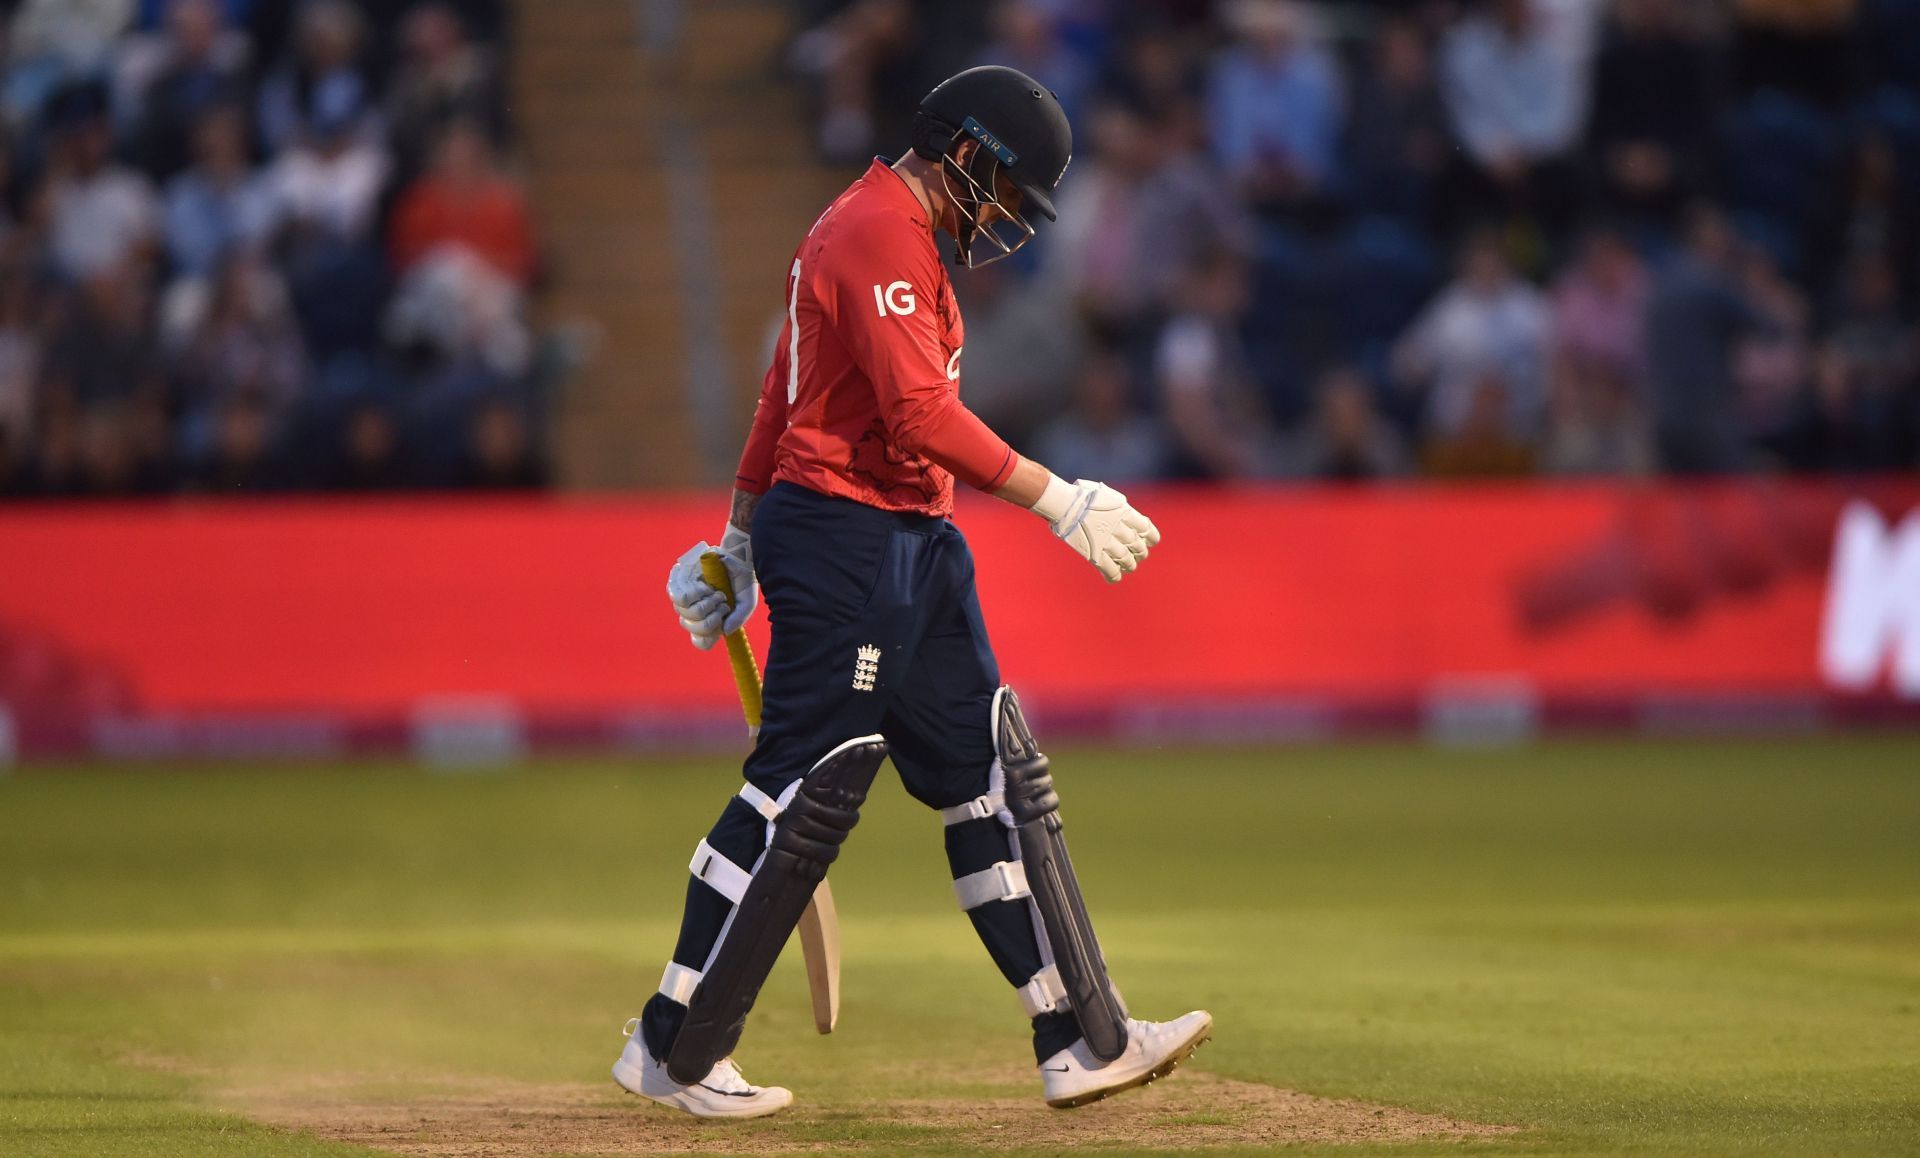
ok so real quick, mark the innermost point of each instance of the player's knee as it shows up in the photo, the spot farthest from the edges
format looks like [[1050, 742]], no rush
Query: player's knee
[[1019, 785], [826, 805], [817, 822], [1030, 794], [1029, 788]]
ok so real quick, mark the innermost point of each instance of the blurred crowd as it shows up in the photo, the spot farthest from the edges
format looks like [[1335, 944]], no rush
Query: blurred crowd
[[1483, 238], [258, 245]]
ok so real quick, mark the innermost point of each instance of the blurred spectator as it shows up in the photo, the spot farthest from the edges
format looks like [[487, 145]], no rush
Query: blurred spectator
[[1484, 336], [463, 247], [240, 459], [1102, 436], [54, 470], [844, 54], [1696, 315], [1186, 208], [370, 455], [1599, 309], [1879, 217], [1593, 420], [1023, 344], [1152, 70], [1398, 139], [1516, 97], [1482, 444], [220, 204], [102, 349], [1869, 336], [455, 309], [150, 429], [327, 184], [1346, 439], [1772, 364], [1863, 412], [1831, 431], [1654, 93], [1024, 37], [103, 215], [1843, 426], [465, 202], [1148, 206], [1888, 45], [1849, 425], [444, 78], [1220, 427], [322, 78], [22, 210], [1094, 250], [500, 452], [1276, 106], [1793, 46], [104, 450], [50, 42], [152, 14], [13, 463], [19, 370], [201, 67], [244, 342], [1594, 425]]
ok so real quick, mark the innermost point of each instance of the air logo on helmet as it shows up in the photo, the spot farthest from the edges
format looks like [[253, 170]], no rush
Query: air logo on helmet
[[993, 144]]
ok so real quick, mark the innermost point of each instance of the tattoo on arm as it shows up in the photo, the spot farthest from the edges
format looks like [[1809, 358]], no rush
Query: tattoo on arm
[[744, 503]]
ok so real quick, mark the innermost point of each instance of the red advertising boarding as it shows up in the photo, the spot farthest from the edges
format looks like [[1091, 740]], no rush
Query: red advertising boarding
[[333, 625]]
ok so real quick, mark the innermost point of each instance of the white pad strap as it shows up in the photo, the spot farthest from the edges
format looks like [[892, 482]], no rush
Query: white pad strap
[[760, 802], [1005, 881], [726, 878], [679, 982], [979, 808], [1044, 993]]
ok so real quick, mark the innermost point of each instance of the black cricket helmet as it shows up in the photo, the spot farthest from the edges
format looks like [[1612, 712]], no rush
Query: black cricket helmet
[[1021, 131]]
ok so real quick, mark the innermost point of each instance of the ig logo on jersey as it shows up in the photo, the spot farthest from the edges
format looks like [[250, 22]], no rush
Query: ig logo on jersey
[[896, 298]]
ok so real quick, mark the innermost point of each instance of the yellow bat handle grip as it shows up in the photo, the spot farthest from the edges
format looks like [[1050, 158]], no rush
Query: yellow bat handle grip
[[746, 672]]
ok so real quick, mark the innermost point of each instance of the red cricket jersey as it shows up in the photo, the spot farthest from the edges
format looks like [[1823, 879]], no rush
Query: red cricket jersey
[[863, 397]]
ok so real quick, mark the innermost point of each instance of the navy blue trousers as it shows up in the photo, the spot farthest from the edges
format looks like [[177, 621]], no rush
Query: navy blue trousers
[[876, 628]]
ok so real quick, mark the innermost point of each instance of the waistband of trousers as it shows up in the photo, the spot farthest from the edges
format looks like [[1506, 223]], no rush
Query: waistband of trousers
[[898, 520]]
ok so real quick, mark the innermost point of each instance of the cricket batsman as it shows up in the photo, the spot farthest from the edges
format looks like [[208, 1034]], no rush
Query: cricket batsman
[[842, 515]]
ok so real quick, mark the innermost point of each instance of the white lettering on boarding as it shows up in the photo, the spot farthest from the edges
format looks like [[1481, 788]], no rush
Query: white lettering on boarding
[[1872, 617]]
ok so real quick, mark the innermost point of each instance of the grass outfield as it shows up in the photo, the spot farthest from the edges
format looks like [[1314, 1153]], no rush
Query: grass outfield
[[1676, 948]]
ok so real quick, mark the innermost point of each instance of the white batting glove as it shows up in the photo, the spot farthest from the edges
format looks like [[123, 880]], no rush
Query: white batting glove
[[702, 607], [1096, 520]]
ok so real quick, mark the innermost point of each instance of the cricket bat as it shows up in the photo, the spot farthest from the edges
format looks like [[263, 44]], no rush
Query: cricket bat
[[820, 924]]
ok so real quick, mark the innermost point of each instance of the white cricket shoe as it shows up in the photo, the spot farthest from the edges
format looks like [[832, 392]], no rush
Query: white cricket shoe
[[1074, 1077], [723, 1093]]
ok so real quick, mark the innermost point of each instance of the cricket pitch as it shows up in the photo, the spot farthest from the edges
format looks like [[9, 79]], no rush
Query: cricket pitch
[[466, 1118]]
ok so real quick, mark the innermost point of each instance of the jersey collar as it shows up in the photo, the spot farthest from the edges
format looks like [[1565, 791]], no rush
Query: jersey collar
[[893, 187]]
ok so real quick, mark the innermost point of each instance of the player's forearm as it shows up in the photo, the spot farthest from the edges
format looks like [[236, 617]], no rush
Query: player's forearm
[[744, 504], [1038, 489], [755, 473], [1027, 483], [954, 438]]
